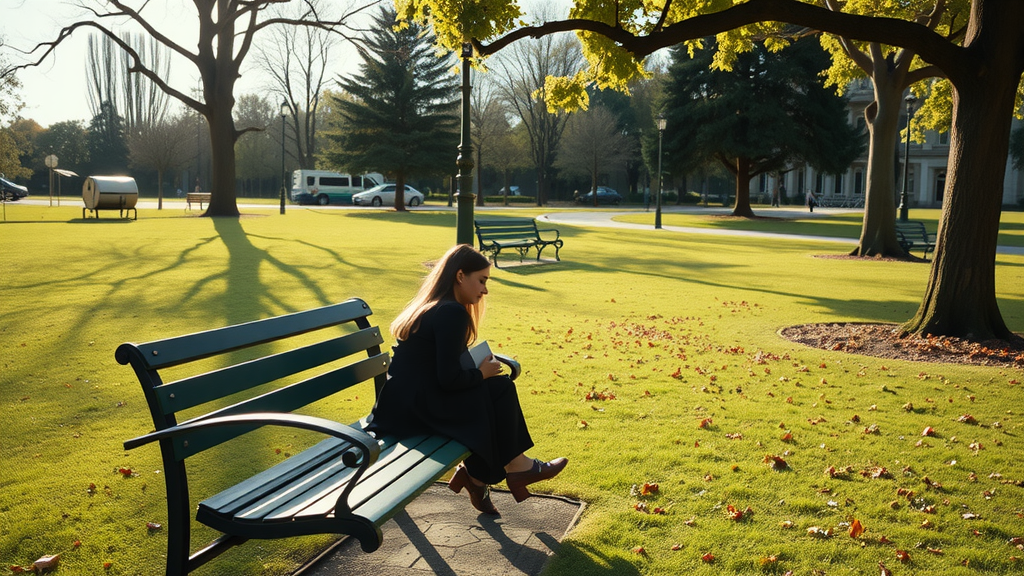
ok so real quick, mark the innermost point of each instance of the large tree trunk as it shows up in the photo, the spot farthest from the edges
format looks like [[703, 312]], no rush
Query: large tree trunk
[[960, 298], [222, 150], [219, 72], [878, 232], [742, 205], [400, 191]]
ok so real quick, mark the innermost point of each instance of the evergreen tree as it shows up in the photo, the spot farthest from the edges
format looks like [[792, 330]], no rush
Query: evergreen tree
[[107, 146], [770, 110], [401, 117]]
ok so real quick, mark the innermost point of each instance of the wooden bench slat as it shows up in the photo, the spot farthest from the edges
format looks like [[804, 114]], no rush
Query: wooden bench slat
[[407, 462], [286, 399], [172, 351], [385, 503], [327, 450], [190, 392], [403, 457], [257, 500]]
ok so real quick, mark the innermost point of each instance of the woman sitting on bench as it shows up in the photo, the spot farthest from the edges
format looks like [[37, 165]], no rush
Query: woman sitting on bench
[[428, 390]]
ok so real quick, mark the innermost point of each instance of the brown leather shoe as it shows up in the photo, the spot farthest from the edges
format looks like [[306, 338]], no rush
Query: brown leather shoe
[[479, 496], [518, 481]]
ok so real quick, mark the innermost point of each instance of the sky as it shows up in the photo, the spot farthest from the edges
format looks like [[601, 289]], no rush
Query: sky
[[56, 90]]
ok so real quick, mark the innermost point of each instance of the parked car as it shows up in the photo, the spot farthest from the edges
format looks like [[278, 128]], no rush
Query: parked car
[[384, 195], [324, 187], [605, 195], [12, 192]]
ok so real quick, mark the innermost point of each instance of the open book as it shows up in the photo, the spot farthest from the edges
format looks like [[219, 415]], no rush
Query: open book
[[475, 355]]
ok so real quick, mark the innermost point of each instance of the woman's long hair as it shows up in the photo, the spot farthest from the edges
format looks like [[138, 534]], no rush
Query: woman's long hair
[[440, 285]]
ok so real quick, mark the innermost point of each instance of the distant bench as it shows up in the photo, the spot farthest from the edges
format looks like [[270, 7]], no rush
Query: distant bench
[[520, 234], [913, 236], [198, 197], [349, 483]]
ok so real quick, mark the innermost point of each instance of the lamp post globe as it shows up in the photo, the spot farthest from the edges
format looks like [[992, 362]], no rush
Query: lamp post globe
[[662, 122], [904, 204], [284, 176]]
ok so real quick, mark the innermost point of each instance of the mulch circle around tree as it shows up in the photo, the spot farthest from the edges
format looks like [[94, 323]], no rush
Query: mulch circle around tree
[[885, 341]]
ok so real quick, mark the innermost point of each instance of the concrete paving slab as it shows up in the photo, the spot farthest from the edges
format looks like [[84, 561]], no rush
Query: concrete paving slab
[[440, 533]]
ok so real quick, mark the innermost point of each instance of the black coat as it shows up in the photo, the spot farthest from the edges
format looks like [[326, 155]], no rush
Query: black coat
[[428, 391]]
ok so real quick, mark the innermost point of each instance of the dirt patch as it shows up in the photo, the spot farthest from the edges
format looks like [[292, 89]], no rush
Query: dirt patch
[[884, 341]]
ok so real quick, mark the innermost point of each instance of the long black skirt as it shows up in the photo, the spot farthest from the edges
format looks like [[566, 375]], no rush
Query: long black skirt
[[487, 419]]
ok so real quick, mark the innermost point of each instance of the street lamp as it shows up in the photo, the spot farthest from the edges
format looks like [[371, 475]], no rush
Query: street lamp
[[661, 131], [465, 197], [284, 175], [904, 206]]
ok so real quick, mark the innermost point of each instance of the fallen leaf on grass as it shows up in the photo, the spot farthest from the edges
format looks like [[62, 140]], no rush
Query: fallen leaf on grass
[[640, 551], [856, 529], [876, 472], [768, 560], [903, 556], [776, 462], [676, 547], [648, 488], [153, 526], [819, 532], [885, 571], [707, 558], [928, 431]]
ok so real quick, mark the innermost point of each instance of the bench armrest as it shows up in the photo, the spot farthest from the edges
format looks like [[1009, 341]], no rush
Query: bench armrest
[[514, 368], [364, 452], [555, 230]]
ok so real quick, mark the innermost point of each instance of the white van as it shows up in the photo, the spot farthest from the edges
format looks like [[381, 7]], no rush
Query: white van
[[324, 187]]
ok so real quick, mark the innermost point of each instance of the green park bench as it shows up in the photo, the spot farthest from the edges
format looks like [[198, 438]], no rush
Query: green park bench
[[913, 236], [349, 483], [520, 234]]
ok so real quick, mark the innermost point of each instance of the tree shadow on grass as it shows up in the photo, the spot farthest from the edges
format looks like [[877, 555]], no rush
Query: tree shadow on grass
[[573, 557]]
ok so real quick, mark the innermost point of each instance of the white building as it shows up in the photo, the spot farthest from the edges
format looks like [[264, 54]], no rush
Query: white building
[[926, 183]]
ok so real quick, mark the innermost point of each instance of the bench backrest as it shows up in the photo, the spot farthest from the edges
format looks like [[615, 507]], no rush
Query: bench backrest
[[505, 229], [167, 399], [912, 227]]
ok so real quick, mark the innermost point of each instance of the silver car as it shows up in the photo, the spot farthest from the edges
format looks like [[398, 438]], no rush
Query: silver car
[[384, 195]]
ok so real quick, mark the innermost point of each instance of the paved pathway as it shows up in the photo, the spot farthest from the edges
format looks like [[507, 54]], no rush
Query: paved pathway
[[441, 534]]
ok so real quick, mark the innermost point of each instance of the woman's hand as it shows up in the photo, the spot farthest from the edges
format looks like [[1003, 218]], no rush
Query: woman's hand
[[490, 367]]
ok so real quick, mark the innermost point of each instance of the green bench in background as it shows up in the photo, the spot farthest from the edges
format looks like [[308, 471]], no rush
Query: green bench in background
[[520, 234], [913, 236]]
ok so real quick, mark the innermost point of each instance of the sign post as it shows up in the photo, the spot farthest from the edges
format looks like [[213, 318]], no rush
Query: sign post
[[51, 163]]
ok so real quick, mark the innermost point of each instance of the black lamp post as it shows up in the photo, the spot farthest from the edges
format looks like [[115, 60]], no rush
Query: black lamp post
[[284, 175], [657, 210], [465, 197], [904, 206]]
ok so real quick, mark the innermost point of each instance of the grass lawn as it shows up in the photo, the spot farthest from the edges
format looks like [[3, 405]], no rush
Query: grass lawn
[[650, 358]]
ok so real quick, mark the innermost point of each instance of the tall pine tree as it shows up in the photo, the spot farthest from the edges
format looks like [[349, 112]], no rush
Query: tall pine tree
[[400, 115], [770, 110], [107, 146]]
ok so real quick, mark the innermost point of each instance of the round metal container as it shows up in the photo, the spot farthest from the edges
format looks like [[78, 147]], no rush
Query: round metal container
[[110, 192]]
